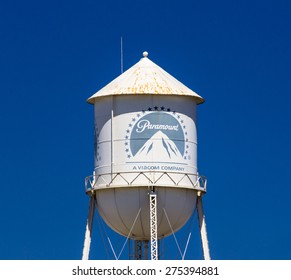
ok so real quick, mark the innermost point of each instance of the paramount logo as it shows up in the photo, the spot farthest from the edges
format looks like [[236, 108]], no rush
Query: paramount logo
[[157, 136], [144, 124]]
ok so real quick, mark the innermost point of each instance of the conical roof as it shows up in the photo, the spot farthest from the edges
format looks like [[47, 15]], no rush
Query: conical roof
[[145, 77]]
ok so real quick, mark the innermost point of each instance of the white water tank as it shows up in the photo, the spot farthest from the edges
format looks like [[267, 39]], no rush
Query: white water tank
[[145, 139]]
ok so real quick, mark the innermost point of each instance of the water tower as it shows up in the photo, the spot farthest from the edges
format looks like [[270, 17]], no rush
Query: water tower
[[145, 184]]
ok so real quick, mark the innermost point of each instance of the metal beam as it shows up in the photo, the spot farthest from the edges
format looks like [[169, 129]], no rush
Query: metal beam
[[89, 226], [153, 226], [202, 225], [138, 250]]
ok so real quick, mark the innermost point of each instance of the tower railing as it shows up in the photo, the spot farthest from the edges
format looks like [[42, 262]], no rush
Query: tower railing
[[132, 179]]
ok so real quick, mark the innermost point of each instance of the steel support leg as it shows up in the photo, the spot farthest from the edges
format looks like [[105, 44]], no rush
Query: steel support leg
[[153, 226], [138, 250], [89, 226], [202, 225]]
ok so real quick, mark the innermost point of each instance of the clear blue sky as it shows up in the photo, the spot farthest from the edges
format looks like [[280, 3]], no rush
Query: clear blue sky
[[55, 54]]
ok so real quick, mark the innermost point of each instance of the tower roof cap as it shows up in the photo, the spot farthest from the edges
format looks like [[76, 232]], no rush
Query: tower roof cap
[[145, 77]]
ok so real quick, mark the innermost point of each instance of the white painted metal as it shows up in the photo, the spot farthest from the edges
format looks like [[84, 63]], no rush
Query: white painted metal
[[145, 135], [173, 233], [145, 77], [89, 227], [186, 247], [93, 182], [118, 208], [203, 232], [145, 140], [130, 232], [153, 226], [127, 126]]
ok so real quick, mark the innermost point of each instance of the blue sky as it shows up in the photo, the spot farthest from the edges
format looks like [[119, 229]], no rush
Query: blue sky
[[55, 54]]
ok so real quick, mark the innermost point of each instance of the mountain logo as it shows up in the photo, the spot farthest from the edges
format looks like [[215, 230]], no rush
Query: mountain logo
[[157, 135], [159, 144]]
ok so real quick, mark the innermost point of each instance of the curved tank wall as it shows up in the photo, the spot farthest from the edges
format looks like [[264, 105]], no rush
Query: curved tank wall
[[145, 133], [143, 141], [120, 207]]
